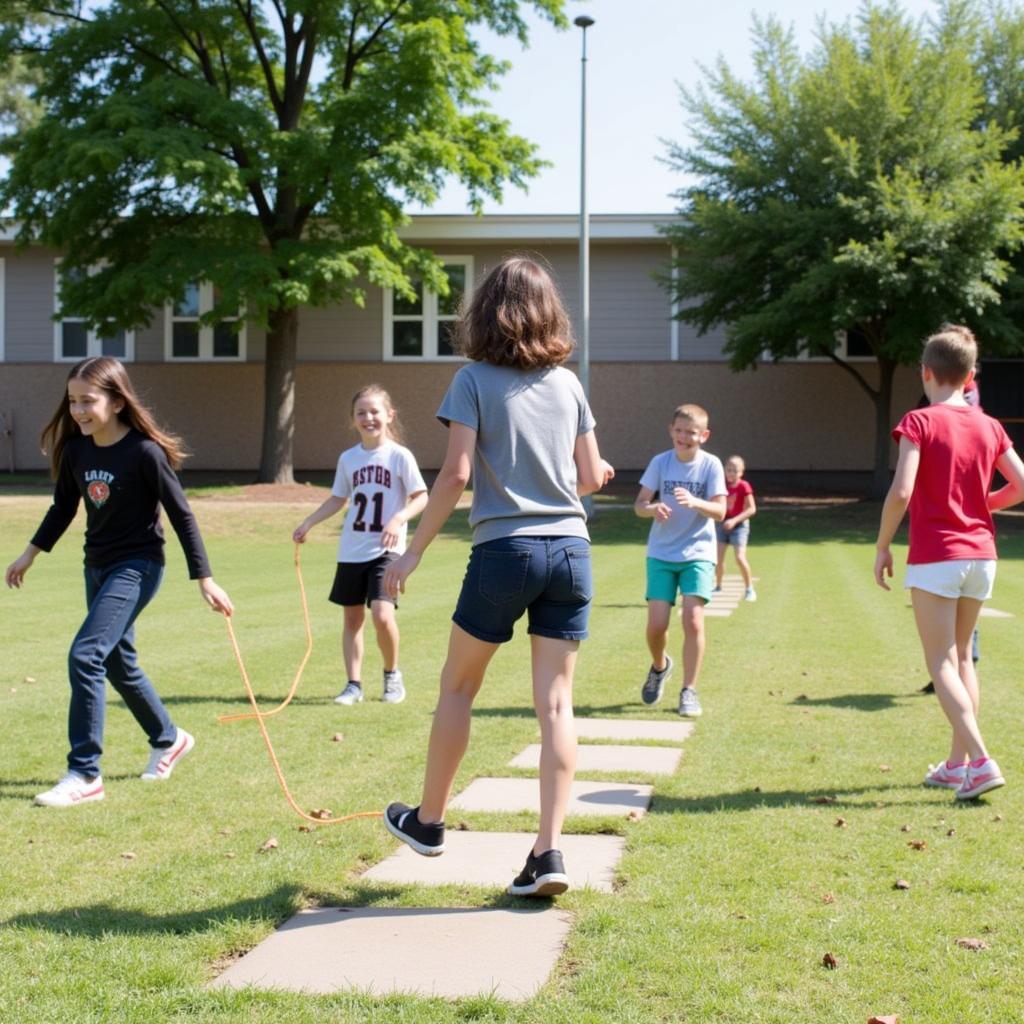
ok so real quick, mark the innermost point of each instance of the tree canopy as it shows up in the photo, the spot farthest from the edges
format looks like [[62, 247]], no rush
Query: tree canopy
[[855, 191], [268, 147]]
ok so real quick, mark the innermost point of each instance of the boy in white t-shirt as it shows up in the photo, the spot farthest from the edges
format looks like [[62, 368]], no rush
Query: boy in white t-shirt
[[683, 490], [381, 484]]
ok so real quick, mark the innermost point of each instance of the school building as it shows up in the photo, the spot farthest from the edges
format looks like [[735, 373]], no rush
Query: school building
[[802, 416]]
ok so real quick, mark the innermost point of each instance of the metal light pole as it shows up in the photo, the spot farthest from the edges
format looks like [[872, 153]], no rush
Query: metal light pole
[[584, 23]]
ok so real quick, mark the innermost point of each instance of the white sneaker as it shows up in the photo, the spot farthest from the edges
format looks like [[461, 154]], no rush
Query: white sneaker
[[71, 790], [394, 687], [163, 760], [750, 595], [352, 694]]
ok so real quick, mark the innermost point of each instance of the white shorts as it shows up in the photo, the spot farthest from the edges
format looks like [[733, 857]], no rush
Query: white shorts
[[962, 577]]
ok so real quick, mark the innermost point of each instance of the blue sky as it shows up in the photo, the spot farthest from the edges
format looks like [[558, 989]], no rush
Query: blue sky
[[638, 50]]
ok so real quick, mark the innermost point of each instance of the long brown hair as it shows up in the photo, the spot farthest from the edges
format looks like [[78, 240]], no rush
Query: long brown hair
[[394, 428], [516, 318], [109, 374]]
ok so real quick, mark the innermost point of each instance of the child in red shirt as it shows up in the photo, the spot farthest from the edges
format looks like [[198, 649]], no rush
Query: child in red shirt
[[734, 530], [948, 453]]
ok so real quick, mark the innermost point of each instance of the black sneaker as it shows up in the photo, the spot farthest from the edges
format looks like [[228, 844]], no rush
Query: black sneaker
[[543, 876], [654, 685], [401, 821]]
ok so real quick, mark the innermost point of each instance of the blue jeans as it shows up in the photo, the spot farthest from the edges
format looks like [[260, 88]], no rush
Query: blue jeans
[[549, 578], [104, 648]]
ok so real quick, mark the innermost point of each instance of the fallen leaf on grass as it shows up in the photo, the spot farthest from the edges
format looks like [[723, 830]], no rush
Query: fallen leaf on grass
[[901, 883], [823, 799], [917, 844], [337, 737], [951, 832], [29, 679], [828, 897], [885, 767], [128, 855], [829, 961], [840, 823], [889, 1018], [225, 832], [998, 817], [904, 828], [462, 826], [321, 814], [14, 689], [270, 844], [305, 828], [972, 944], [633, 816], [230, 856]]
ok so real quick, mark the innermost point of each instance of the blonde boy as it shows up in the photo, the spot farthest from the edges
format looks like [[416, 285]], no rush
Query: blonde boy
[[948, 452], [683, 490]]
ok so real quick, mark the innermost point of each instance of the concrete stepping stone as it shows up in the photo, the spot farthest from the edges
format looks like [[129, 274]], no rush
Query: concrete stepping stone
[[609, 758], [492, 859], [995, 613], [713, 611], [452, 953], [632, 729], [585, 798]]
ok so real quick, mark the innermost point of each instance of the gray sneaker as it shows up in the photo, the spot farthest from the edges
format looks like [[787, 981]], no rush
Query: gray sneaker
[[352, 694], [689, 703], [394, 687], [652, 689]]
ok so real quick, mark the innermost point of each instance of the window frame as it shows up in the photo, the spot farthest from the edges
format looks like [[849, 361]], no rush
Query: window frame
[[93, 340], [205, 355], [430, 318]]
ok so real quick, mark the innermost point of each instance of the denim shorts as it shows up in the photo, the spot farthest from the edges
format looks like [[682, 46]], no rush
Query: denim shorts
[[738, 536], [549, 578]]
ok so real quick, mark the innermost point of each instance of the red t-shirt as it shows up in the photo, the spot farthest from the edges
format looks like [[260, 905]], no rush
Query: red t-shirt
[[737, 497], [949, 516]]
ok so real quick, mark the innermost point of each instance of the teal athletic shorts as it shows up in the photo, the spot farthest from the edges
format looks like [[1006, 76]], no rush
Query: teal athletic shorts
[[691, 579]]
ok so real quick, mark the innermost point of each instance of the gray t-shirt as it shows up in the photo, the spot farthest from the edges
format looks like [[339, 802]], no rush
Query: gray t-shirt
[[687, 536], [526, 423]]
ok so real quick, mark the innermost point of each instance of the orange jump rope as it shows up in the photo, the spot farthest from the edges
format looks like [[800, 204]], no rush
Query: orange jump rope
[[260, 716]]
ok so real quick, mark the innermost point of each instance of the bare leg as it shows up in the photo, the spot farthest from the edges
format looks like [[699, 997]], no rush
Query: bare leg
[[720, 566], [967, 612], [461, 678], [693, 638], [352, 640], [659, 614], [939, 627], [553, 662], [386, 625], [741, 561]]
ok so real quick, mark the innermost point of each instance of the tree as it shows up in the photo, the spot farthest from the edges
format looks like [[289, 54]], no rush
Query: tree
[[852, 191], [267, 147]]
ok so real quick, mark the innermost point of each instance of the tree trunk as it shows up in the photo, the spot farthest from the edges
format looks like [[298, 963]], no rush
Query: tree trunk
[[277, 456], [883, 412]]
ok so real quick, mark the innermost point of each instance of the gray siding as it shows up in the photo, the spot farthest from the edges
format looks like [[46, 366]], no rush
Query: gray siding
[[29, 304], [344, 332]]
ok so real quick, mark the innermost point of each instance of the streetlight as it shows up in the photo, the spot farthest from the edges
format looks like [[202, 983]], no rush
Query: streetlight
[[584, 22]]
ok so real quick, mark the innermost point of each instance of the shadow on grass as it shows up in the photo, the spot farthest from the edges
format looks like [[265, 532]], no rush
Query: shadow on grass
[[26, 789], [856, 701], [755, 799], [579, 711]]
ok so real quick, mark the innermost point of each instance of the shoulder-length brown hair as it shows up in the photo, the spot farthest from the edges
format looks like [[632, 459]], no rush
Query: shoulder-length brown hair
[[516, 318], [109, 374]]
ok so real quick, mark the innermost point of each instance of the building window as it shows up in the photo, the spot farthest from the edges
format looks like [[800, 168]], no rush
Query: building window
[[73, 340], [421, 327], [185, 338]]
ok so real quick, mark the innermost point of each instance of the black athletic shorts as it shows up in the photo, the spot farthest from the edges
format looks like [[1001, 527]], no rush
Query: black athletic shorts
[[362, 582]]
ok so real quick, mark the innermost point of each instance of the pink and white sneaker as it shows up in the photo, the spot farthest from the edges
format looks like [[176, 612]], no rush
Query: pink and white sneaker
[[163, 760], [946, 775], [72, 790], [980, 779]]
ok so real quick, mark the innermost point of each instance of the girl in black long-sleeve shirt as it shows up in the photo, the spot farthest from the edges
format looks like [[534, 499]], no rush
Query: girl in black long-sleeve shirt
[[106, 448]]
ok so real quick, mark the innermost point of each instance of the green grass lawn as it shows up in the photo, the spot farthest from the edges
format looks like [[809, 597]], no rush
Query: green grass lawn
[[731, 890]]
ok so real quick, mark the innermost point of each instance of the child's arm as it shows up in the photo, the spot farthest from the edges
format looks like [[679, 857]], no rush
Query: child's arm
[[330, 506], [1010, 465], [444, 495], [895, 507], [749, 509], [646, 508], [592, 472], [414, 506], [15, 575], [713, 509]]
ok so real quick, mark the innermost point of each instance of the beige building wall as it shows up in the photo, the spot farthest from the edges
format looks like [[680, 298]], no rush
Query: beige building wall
[[790, 416]]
